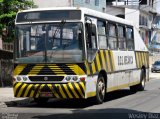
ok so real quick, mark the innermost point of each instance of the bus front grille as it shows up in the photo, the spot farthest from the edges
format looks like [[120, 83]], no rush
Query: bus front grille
[[46, 78]]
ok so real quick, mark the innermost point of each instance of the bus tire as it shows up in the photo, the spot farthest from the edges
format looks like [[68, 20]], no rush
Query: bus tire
[[141, 85], [100, 90], [41, 101]]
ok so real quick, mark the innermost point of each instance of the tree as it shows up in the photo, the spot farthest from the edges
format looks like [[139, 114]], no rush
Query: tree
[[8, 10]]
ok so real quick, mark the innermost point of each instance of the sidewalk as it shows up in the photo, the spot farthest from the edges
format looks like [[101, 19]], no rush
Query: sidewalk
[[6, 95]]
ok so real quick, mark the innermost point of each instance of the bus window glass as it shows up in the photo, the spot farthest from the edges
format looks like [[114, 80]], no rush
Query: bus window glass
[[91, 36], [130, 39], [102, 35], [121, 37], [60, 43], [112, 38]]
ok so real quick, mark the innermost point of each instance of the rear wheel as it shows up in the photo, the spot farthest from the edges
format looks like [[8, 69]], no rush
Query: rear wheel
[[141, 85], [100, 90], [41, 101]]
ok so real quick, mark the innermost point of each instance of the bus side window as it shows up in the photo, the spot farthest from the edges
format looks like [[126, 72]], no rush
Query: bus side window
[[91, 36], [112, 37], [102, 38], [121, 37], [130, 39]]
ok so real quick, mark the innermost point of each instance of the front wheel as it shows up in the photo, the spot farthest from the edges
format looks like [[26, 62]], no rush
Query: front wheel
[[141, 85], [100, 90]]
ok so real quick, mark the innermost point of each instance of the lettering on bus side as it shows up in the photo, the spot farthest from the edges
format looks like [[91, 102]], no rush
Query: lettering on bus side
[[125, 60]]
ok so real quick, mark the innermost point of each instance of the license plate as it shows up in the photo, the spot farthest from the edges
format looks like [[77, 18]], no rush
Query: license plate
[[46, 94]]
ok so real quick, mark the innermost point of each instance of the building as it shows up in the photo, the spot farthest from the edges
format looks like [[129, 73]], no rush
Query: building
[[142, 13], [6, 56], [99, 5]]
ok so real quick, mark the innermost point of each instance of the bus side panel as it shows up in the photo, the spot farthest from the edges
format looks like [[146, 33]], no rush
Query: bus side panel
[[91, 86]]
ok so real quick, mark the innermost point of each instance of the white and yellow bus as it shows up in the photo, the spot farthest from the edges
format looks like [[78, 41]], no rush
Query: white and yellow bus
[[76, 53]]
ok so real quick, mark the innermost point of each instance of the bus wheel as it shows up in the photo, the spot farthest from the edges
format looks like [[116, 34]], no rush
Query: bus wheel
[[141, 85], [100, 90], [41, 101]]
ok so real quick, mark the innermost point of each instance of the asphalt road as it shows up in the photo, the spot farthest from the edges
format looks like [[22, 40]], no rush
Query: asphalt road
[[119, 104]]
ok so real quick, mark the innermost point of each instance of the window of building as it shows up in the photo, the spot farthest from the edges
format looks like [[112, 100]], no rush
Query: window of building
[[121, 37], [101, 25], [97, 2], [112, 37], [87, 1], [130, 39]]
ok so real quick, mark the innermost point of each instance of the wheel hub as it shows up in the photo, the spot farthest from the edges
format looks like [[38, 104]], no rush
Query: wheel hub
[[101, 89]]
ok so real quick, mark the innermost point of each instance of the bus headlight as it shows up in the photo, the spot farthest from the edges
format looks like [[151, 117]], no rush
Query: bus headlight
[[25, 79], [68, 78], [75, 78], [19, 78]]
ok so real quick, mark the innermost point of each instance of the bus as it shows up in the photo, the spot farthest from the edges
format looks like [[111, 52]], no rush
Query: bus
[[76, 53]]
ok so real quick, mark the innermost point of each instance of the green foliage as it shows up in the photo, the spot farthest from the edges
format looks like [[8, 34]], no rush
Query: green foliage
[[8, 10]]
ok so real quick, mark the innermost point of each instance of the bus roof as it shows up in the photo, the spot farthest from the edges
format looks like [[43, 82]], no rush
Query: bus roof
[[86, 11]]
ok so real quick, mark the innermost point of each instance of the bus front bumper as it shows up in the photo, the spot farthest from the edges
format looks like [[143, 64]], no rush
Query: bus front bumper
[[62, 91]]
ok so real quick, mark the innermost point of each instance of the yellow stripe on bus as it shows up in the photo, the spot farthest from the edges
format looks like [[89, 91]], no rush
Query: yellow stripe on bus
[[87, 67], [79, 90], [98, 62], [62, 93], [137, 60], [80, 71], [21, 90], [37, 95], [83, 86], [57, 70], [27, 90], [108, 61], [145, 54], [19, 69], [55, 93], [66, 89], [113, 65], [93, 67], [35, 70], [32, 93], [16, 86], [140, 60], [103, 60], [74, 92]]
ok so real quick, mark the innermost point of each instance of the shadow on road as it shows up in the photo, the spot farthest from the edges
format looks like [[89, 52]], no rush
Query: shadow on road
[[73, 103], [108, 113]]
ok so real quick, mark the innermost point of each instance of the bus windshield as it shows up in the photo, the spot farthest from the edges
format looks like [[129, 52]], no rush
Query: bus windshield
[[49, 43]]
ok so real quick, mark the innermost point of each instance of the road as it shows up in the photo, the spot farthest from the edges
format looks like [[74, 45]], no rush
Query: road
[[119, 104]]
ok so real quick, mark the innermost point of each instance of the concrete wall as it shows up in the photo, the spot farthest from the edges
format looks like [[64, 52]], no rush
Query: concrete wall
[[91, 4], [114, 10], [67, 3], [52, 3], [132, 15]]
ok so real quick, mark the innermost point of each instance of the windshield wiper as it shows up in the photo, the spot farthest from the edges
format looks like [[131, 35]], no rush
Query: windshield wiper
[[61, 24]]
